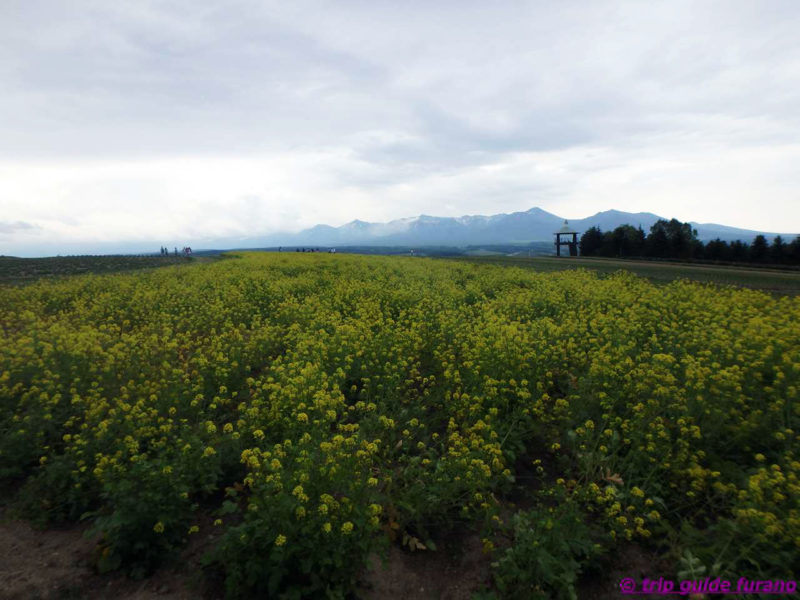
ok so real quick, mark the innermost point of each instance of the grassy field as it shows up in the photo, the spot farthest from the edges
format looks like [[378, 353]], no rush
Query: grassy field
[[315, 411], [15, 270], [772, 280], [24, 270]]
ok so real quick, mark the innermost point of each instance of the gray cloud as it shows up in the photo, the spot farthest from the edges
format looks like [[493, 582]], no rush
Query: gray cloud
[[102, 79], [10, 228], [371, 105]]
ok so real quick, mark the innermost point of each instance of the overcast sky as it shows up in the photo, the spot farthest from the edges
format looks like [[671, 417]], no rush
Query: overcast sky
[[177, 122]]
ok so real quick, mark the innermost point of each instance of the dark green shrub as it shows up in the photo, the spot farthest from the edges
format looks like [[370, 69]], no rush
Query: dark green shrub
[[545, 558]]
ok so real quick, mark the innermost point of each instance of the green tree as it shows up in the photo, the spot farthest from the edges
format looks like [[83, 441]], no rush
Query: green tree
[[759, 249], [793, 251], [657, 242], [682, 239], [740, 251], [718, 250], [627, 241], [778, 250], [591, 241]]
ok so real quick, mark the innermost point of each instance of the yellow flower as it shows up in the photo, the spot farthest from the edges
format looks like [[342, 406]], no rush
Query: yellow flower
[[158, 527], [347, 528], [280, 540]]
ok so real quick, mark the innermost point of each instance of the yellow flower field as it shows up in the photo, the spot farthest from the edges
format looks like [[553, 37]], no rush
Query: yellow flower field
[[323, 406]]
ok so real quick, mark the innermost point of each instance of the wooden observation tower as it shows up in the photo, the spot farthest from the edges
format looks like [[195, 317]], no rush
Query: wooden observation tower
[[567, 231]]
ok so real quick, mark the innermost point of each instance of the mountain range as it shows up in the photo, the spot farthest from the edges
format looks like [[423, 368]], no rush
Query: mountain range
[[534, 225]]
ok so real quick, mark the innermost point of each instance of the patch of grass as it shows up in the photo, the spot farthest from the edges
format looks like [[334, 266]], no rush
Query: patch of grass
[[25, 270], [785, 282]]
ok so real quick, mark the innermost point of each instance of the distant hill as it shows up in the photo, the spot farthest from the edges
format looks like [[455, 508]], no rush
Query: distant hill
[[534, 225]]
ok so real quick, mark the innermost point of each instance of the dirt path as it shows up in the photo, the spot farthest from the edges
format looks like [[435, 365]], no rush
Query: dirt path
[[55, 564], [456, 570]]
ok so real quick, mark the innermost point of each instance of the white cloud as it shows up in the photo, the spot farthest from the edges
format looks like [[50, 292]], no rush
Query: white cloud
[[192, 120]]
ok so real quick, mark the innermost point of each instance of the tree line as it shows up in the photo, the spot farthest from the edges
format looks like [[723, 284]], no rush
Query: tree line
[[676, 240]]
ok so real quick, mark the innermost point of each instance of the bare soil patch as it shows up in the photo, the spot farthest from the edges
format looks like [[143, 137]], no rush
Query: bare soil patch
[[631, 561], [453, 572], [57, 564]]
